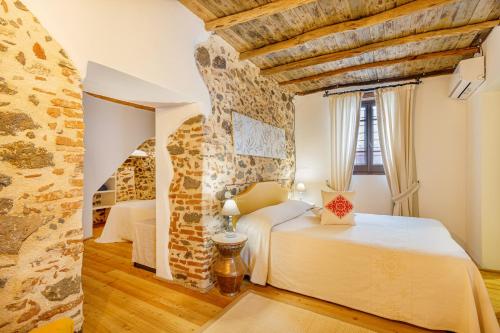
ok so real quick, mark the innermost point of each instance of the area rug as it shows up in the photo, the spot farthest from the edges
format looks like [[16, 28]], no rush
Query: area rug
[[253, 313]]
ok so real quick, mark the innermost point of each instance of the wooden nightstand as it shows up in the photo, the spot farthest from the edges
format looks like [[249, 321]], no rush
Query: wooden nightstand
[[229, 268]]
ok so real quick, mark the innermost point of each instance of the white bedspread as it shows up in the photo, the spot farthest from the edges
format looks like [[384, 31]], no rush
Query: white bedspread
[[144, 246], [119, 226], [406, 269]]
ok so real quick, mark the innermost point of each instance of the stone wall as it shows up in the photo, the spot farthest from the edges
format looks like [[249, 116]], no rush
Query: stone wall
[[187, 248], [125, 181], [205, 166], [41, 175], [99, 216], [236, 86], [135, 178]]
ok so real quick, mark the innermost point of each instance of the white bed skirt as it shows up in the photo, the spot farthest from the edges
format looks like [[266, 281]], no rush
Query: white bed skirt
[[119, 226], [144, 246]]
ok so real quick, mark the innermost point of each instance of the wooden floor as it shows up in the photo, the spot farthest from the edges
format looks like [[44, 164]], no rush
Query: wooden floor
[[122, 298]]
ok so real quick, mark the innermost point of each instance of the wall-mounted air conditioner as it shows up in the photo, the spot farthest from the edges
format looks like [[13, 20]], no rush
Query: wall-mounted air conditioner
[[468, 76]]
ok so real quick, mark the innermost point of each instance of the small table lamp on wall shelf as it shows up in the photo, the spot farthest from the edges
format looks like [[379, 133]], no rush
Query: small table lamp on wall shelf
[[300, 188], [230, 209]]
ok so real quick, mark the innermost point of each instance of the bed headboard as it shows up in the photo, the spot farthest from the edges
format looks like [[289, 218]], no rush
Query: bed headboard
[[260, 195]]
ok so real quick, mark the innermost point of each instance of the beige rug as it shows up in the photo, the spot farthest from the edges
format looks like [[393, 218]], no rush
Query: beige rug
[[253, 313]]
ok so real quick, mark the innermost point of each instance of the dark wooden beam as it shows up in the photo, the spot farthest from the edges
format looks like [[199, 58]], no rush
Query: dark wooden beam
[[253, 14], [391, 14], [119, 101], [334, 56], [384, 63], [445, 71]]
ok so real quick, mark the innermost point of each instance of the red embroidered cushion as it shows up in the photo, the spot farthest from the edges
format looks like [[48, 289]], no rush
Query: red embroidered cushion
[[338, 208]]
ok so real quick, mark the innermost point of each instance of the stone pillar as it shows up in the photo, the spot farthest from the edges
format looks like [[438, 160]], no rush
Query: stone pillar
[[41, 175], [204, 162], [188, 257]]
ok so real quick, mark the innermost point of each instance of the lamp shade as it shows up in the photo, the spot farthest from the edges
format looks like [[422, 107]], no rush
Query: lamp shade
[[300, 187], [230, 208]]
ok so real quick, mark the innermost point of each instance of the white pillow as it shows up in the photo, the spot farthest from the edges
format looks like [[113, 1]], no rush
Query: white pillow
[[317, 211], [279, 213], [338, 208]]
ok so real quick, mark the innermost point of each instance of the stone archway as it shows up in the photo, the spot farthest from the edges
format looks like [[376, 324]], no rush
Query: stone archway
[[41, 175]]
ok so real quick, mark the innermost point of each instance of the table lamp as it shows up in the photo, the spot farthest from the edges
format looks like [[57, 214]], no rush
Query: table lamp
[[301, 188], [230, 209]]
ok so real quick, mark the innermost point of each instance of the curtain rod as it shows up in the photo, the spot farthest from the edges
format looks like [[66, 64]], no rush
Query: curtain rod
[[327, 93]]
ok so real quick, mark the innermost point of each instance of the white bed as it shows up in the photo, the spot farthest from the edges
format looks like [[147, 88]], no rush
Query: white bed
[[406, 269], [144, 243], [119, 226]]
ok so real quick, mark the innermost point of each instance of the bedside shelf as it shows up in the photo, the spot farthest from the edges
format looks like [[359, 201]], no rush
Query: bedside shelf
[[105, 199]]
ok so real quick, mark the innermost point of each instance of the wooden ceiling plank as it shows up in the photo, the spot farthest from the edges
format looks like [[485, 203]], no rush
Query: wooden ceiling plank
[[483, 9], [385, 63], [404, 10], [380, 45], [392, 79], [198, 9], [254, 13]]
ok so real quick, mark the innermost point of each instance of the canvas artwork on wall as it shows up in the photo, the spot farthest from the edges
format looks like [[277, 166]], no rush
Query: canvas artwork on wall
[[256, 138]]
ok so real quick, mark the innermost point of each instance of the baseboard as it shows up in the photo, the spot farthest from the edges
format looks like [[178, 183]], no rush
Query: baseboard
[[185, 285], [144, 267]]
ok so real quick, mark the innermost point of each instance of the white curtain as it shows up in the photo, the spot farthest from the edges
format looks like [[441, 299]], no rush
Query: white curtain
[[395, 111], [344, 115]]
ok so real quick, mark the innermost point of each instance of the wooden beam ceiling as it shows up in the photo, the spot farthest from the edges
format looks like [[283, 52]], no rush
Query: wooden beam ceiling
[[254, 13], [385, 63], [334, 56], [407, 9], [372, 82], [301, 21]]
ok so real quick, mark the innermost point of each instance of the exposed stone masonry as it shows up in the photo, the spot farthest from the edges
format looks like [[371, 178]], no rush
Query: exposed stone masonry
[[135, 178], [99, 216], [204, 162], [41, 176], [187, 237]]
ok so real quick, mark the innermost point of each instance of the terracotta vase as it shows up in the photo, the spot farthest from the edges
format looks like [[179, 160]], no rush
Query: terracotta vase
[[229, 268]]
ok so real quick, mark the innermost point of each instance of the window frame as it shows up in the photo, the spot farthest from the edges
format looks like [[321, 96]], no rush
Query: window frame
[[368, 168]]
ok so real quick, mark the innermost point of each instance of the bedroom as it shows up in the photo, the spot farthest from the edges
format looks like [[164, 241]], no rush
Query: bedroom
[[192, 73]]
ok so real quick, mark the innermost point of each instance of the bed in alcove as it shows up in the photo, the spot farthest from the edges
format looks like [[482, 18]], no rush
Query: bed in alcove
[[124, 207]]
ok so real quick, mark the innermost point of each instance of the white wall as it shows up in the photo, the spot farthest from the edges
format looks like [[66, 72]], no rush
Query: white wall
[[483, 156], [440, 150], [490, 182], [112, 133], [491, 49], [474, 181], [372, 194], [312, 137], [153, 40], [440, 146], [483, 210]]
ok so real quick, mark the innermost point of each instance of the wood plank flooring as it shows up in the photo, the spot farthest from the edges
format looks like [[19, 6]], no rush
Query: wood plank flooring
[[122, 298]]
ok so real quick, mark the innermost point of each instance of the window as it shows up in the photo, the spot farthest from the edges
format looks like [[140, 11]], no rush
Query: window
[[368, 153]]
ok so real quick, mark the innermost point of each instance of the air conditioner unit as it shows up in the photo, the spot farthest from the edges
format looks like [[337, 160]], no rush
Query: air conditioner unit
[[468, 76]]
